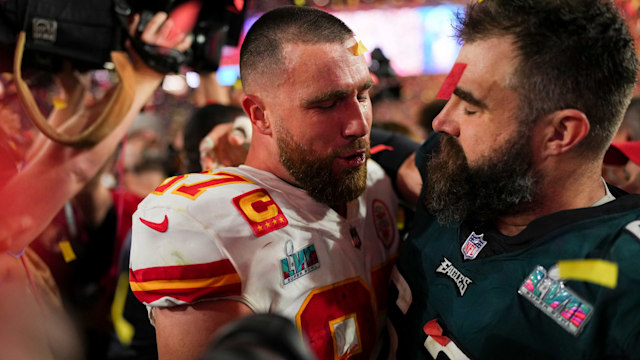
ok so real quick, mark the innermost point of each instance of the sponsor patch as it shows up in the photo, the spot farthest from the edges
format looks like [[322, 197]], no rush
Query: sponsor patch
[[157, 226], [560, 303], [299, 263], [472, 246], [44, 30], [462, 281], [260, 211], [383, 222]]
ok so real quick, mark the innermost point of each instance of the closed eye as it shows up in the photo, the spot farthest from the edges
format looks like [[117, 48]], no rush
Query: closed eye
[[326, 105]]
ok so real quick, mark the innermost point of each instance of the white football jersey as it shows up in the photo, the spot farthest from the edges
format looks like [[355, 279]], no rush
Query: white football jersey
[[244, 234]]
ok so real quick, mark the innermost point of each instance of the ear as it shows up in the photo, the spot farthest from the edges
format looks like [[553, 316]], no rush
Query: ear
[[565, 129], [255, 109]]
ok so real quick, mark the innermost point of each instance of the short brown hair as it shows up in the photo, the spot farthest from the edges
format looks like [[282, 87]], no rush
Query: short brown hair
[[261, 51]]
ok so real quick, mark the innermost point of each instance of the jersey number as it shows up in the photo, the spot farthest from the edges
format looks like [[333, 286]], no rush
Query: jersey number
[[340, 317], [194, 190]]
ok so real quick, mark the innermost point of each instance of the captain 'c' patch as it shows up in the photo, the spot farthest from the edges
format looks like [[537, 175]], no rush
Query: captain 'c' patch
[[260, 211]]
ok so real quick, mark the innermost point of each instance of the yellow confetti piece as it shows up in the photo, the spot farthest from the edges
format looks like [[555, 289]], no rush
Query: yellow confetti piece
[[124, 329], [67, 251], [59, 103], [595, 271], [237, 85], [358, 49]]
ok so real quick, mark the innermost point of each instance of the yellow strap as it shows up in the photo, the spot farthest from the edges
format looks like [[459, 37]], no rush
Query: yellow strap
[[116, 108], [596, 271], [124, 329], [67, 251]]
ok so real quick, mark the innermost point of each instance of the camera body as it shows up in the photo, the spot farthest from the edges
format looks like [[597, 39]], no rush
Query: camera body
[[84, 32]]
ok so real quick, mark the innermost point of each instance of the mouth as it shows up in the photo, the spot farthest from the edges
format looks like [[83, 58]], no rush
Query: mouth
[[354, 159]]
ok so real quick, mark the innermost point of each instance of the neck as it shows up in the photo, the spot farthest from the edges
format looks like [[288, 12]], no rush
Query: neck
[[263, 156], [580, 189]]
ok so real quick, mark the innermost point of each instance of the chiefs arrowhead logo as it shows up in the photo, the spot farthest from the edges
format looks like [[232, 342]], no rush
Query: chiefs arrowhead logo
[[161, 226]]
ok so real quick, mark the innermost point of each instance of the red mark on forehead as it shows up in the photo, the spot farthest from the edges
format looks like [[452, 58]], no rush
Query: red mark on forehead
[[451, 81]]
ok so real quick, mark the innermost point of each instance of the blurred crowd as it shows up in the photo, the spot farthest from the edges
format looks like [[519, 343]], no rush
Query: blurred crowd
[[74, 269]]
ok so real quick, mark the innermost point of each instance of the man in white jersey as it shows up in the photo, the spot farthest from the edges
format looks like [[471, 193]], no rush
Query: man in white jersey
[[305, 228]]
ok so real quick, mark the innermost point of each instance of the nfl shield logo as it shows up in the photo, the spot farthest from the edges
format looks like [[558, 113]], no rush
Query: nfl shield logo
[[472, 246]]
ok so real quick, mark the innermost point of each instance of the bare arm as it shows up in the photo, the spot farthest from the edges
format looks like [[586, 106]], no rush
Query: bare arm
[[57, 172], [185, 332]]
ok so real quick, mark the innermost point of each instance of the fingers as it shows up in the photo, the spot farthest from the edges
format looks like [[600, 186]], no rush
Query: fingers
[[153, 27], [134, 24], [221, 147], [161, 34], [186, 42], [236, 138], [242, 131], [156, 32], [160, 31]]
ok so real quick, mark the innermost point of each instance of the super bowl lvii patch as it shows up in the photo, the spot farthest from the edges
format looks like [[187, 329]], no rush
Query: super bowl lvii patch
[[557, 301], [298, 263]]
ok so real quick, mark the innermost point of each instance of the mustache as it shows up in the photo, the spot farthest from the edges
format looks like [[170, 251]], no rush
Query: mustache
[[449, 151], [356, 145]]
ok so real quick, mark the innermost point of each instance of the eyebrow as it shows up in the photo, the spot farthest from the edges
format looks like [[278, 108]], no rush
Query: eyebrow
[[468, 97], [335, 94]]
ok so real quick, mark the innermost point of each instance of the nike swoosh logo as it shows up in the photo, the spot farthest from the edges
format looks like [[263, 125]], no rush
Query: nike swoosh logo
[[161, 226]]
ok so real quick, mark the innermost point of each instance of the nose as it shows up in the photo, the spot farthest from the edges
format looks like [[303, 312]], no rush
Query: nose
[[445, 121], [357, 121]]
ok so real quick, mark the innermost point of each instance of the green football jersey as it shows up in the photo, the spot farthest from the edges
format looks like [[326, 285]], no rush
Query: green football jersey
[[469, 300]]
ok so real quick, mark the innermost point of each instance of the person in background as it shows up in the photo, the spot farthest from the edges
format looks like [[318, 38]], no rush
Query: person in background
[[34, 324], [427, 113], [622, 162], [617, 170], [14, 142], [519, 249], [629, 129], [304, 229], [202, 152]]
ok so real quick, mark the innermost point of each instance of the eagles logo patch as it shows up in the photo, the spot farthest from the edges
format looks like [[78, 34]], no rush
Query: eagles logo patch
[[260, 211]]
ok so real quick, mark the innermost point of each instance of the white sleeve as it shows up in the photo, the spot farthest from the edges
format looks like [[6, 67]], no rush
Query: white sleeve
[[176, 260]]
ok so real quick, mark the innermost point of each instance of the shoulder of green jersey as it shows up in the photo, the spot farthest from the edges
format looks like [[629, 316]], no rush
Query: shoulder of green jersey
[[634, 228]]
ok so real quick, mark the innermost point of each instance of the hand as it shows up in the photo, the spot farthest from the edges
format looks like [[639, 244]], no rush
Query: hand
[[626, 177], [74, 86], [614, 175], [159, 31], [226, 144], [632, 183]]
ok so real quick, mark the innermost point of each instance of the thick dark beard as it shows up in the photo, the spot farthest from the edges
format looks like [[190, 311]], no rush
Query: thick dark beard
[[314, 173], [503, 183]]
